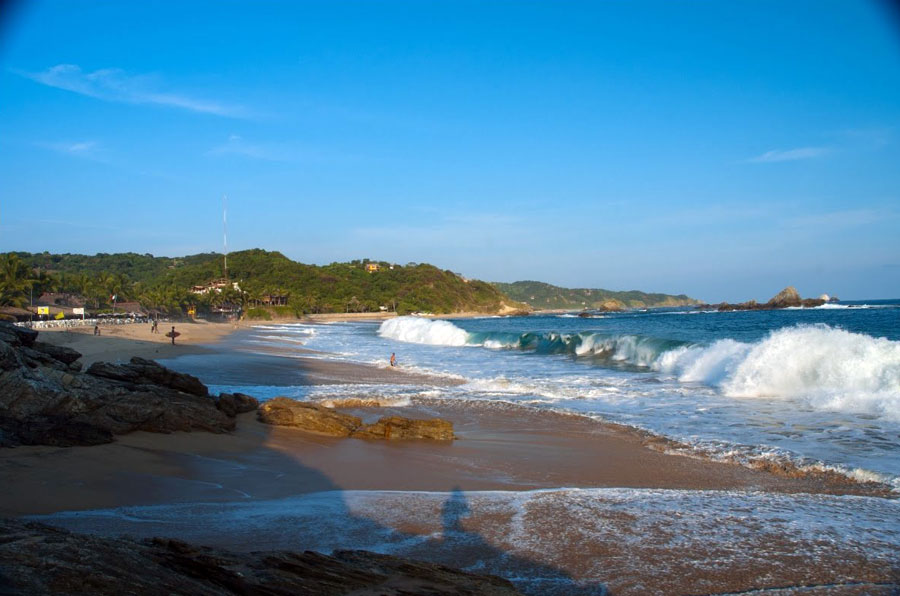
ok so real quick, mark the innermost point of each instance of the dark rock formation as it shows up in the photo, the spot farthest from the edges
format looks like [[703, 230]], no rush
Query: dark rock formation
[[236, 403], [788, 297], [37, 559], [45, 399], [147, 372], [282, 411]]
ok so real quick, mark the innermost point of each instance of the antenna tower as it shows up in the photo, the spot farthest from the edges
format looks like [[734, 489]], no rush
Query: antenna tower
[[225, 232]]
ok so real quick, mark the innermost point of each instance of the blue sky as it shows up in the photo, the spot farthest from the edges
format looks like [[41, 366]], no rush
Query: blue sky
[[719, 149]]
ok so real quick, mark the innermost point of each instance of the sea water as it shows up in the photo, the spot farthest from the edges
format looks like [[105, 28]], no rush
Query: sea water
[[817, 386]]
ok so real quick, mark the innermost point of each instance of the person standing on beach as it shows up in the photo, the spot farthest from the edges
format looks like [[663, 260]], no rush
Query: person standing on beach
[[96, 329], [173, 334], [393, 359]]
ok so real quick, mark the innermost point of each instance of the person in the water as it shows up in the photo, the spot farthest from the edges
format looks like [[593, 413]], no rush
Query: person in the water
[[393, 359]]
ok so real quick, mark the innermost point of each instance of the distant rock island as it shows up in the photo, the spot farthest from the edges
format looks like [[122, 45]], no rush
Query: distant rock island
[[544, 296], [786, 298]]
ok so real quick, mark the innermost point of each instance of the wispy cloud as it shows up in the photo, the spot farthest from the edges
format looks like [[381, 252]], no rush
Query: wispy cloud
[[776, 155], [82, 149], [289, 152], [116, 85]]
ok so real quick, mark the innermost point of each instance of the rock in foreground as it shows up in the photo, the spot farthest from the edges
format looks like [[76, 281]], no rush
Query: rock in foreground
[[37, 559], [282, 411], [45, 399]]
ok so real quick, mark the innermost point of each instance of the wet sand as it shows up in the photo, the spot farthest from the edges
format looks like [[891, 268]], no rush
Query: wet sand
[[498, 448]]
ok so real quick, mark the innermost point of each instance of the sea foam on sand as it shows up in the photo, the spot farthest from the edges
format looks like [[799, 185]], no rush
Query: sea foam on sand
[[561, 540]]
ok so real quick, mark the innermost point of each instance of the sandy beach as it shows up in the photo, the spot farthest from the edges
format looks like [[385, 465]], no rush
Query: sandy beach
[[504, 454]]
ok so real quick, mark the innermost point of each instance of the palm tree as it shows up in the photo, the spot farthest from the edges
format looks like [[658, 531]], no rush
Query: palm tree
[[15, 281]]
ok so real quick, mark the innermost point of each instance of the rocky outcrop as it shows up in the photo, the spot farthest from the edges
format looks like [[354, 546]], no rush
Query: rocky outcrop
[[786, 298], [398, 427], [37, 559], [233, 404], [45, 399], [282, 411]]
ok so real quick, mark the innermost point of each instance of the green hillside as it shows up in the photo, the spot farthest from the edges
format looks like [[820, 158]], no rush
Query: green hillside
[[539, 295], [164, 283]]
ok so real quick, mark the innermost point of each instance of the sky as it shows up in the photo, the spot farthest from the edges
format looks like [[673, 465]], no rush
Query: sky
[[720, 149]]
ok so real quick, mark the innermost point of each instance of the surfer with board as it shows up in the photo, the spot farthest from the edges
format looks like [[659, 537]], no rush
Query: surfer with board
[[173, 334]]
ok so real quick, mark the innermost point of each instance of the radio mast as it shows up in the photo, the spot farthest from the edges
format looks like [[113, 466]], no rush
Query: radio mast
[[225, 233]]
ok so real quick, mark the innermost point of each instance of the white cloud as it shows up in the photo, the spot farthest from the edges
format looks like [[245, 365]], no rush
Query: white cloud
[[776, 155], [85, 149], [113, 84]]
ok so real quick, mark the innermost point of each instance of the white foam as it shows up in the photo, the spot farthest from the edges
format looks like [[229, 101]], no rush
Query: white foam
[[830, 368], [423, 331]]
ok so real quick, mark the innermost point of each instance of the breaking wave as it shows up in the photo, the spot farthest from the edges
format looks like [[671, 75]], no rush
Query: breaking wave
[[636, 350], [417, 330], [831, 368]]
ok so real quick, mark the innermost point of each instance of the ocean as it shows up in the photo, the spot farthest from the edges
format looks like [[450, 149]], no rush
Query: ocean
[[817, 387]]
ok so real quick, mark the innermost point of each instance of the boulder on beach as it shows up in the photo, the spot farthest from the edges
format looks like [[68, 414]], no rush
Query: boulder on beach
[[398, 427], [282, 411], [39, 559], [45, 398]]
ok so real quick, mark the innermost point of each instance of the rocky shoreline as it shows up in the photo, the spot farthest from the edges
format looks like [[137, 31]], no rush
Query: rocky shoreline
[[46, 399], [39, 559]]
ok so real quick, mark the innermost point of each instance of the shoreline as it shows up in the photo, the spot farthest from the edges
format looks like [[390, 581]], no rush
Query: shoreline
[[499, 447], [485, 420]]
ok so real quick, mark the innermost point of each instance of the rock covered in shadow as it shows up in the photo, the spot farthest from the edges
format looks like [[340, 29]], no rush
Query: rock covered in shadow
[[233, 404], [141, 371], [45, 399], [38, 559], [282, 411]]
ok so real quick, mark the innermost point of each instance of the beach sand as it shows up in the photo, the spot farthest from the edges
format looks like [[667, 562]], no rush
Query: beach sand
[[120, 342], [500, 447]]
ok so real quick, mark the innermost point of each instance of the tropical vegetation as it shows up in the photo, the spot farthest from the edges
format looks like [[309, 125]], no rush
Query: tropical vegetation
[[263, 278], [541, 295]]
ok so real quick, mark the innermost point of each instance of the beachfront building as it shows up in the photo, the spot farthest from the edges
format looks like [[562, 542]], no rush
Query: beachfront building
[[215, 286], [274, 299]]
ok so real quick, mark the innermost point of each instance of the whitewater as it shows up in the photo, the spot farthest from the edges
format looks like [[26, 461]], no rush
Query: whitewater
[[817, 387]]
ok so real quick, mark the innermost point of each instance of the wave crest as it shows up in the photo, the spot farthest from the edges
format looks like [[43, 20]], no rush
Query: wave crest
[[832, 368], [423, 331]]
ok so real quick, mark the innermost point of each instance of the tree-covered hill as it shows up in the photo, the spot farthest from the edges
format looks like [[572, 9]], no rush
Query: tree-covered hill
[[165, 283], [539, 295]]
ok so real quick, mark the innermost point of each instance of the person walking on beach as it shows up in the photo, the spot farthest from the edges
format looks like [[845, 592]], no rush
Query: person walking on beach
[[393, 359], [155, 327], [173, 334], [96, 329]]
